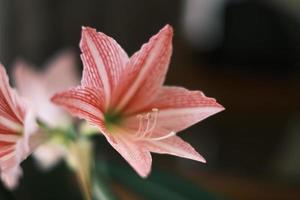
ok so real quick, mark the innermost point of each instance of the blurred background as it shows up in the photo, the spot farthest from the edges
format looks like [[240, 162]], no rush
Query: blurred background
[[245, 53]]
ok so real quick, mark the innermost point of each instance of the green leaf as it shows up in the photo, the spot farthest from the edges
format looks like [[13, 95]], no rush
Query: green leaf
[[160, 185], [101, 190], [101, 185]]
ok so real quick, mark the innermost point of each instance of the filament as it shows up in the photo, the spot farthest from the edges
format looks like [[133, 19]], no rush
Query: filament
[[147, 124], [171, 134]]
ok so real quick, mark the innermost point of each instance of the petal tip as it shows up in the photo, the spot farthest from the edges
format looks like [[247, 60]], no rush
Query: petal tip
[[144, 174], [19, 66], [19, 61], [167, 29], [86, 30], [56, 98], [2, 67], [199, 158], [53, 99], [221, 108], [216, 106]]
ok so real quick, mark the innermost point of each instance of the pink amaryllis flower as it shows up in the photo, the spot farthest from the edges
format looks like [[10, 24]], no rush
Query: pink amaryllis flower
[[125, 98], [18, 132], [38, 87]]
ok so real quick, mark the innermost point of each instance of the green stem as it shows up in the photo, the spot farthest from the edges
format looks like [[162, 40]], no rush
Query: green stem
[[80, 159], [93, 186]]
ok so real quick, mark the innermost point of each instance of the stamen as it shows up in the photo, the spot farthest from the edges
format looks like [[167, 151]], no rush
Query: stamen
[[147, 124], [163, 137], [148, 120], [140, 117], [155, 111]]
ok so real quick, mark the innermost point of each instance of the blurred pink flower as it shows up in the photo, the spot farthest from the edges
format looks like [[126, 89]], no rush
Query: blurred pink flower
[[18, 132], [126, 100], [38, 87]]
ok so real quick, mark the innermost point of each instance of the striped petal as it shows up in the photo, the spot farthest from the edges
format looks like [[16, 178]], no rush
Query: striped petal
[[180, 108], [145, 72], [138, 156], [15, 154], [103, 60], [82, 102], [11, 107], [11, 124], [12, 111], [174, 146], [17, 132]]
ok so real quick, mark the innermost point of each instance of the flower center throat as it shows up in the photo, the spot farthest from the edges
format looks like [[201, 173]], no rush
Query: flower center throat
[[112, 119]]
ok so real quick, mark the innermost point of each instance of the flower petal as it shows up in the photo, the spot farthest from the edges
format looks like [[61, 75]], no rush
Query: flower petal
[[145, 72], [180, 108], [11, 121], [61, 73], [24, 73], [174, 146], [30, 84], [15, 118], [11, 107], [14, 153], [12, 110], [83, 102], [103, 60], [10, 177], [134, 153]]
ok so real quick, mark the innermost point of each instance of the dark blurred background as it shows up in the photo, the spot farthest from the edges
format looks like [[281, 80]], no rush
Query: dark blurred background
[[245, 53]]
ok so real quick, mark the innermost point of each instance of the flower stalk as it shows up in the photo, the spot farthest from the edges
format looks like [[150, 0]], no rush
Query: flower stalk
[[80, 160]]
